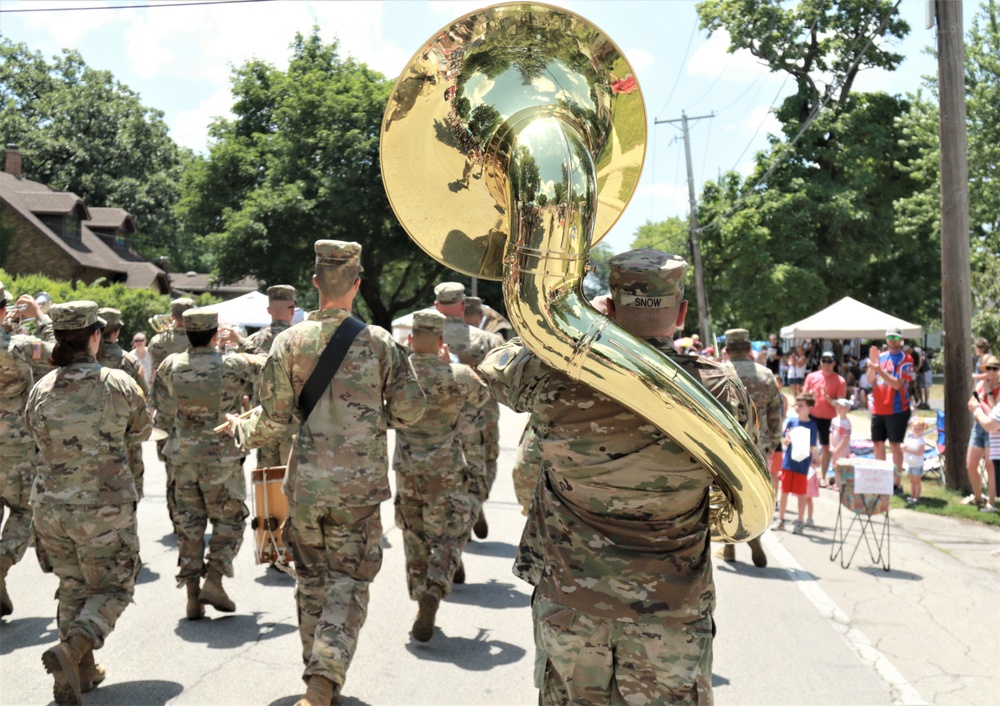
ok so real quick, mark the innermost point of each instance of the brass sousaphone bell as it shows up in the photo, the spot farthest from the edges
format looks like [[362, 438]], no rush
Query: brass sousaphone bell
[[511, 144]]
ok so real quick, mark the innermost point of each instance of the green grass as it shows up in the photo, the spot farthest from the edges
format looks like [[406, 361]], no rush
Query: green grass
[[937, 500]]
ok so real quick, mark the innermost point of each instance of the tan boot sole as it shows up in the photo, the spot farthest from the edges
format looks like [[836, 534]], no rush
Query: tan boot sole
[[66, 689]]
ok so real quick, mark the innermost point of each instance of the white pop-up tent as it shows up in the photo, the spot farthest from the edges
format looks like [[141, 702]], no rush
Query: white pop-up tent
[[248, 310], [848, 318]]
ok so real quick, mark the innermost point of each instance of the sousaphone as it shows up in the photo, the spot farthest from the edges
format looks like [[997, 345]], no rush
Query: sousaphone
[[511, 144]]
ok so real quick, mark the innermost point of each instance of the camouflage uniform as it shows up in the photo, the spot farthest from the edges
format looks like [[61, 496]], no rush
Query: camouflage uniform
[[193, 392], [491, 412], [616, 541], [527, 465], [470, 345], [763, 391], [173, 340], [23, 359], [273, 453], [115, 357], [83, 418], [432, 499], [338, 468]]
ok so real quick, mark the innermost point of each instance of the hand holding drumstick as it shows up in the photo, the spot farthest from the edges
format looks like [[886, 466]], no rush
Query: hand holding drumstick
[[230, 425]]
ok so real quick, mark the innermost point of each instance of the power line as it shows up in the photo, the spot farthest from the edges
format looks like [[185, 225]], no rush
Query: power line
[[763, 120], [76, 8], [680, 69]]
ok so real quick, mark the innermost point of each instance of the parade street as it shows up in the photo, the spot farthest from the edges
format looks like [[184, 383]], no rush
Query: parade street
[[803, 630]]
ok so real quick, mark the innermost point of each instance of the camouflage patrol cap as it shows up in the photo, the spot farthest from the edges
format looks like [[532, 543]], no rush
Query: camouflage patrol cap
[[428, 321], [200, 320], [7, 296], [449, 292], [737, 339], [113, 317], [70, 316], [281, 293], [338, 253], [179, 306], [647, 279], [473, 305]]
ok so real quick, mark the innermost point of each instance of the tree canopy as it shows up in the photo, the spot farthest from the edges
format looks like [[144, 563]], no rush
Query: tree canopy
[[299, 162], [82, 131]]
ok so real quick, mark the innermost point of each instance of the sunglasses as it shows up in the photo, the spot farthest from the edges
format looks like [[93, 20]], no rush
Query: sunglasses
[[894, 338], [827, 360], [990, 367]]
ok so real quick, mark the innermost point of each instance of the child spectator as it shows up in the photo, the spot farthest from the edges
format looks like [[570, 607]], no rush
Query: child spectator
[[840, 438], [777, 456], [794, 474], [913, 455]]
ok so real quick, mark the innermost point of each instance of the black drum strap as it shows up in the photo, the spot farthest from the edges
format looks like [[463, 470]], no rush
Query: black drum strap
[[329, 361]]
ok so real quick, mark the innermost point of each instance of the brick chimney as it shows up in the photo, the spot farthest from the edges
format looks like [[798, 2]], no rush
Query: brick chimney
[[12, 160]]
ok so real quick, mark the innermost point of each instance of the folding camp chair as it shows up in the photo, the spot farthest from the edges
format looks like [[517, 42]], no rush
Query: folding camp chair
[[864, 511], [934, 462]]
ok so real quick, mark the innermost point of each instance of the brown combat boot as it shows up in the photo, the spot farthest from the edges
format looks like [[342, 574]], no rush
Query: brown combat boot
[[757, 553], [6, 607], [727, 553], [213, 594], [195, 610], [459, 576], [320, 691], [423, 626], [63, 663], [91, 673], [481, 529]]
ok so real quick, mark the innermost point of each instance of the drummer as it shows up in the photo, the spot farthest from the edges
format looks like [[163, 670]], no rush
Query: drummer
[[192, 393]]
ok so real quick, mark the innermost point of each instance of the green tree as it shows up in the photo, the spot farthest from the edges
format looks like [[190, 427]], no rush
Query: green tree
[[672, 235], [816, 220], [300, 162], [921, 211], [80, 130]]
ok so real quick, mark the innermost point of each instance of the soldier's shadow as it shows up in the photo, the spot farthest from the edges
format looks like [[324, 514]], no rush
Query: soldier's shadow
[[236, 630], [719, 681], [502, 550], [491, 594], [478, 654], [151, 692], [27, 632], [344, 700], [274, 577], [146, 575], [169, 540]]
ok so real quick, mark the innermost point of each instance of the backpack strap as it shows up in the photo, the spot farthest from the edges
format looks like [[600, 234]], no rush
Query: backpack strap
[[329, 361]]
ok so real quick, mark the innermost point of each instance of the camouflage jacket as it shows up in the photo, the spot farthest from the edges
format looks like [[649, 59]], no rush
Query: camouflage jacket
[[440, 442], [340, 456], [262, 341], [469, 343], [83, 417], [171, 341], [619, 523], [763, 391], [116, 358], [23, 359], [192, 394]]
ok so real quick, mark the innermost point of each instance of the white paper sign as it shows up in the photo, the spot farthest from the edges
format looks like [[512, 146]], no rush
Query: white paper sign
[[873, 477]]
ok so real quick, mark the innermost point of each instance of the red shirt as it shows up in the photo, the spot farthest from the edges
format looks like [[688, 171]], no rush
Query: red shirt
[[835, 386], [887, 400]]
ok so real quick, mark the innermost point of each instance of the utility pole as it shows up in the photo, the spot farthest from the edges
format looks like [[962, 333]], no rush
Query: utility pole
[[956, 287], [699, 273]]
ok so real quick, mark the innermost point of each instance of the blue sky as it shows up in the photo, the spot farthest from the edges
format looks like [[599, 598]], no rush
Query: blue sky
[[179, 59]]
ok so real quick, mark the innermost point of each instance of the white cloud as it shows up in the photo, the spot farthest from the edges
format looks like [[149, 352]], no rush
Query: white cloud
[[639, 59], [63, 29], [711, 60], [190, 127], [761, 121]]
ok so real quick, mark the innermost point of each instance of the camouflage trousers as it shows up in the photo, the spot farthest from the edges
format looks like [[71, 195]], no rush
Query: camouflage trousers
[[337, 552], [94, 550], [584, 660], [491, 443], [433, 513], [200, 500], [273, 453], [16, 475], [170, 492]]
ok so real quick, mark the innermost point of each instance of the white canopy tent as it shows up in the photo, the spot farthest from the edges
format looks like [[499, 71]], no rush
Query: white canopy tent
[[248, 310], [848, 318]]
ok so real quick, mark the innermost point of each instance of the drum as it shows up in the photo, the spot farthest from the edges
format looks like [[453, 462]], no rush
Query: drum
[[270, 508]]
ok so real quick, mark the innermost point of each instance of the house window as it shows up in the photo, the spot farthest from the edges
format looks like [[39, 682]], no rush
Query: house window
[[71, 229]]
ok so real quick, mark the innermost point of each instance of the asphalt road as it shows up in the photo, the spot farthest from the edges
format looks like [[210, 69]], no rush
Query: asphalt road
[[801, 631]]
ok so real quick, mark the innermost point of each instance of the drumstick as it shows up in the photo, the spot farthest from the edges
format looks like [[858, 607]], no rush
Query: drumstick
[[222, 427]]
